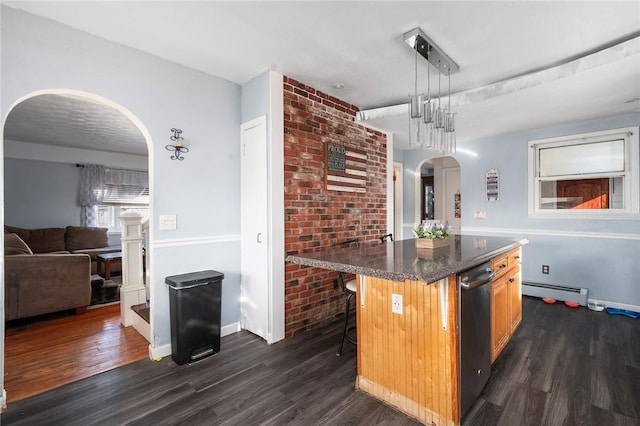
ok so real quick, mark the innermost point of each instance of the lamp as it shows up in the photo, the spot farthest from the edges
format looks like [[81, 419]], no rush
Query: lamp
[[431, 125], [178, 148]]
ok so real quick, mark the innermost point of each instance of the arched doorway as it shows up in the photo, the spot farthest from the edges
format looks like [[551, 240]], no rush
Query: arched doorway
[[438, 191], [49, 126]]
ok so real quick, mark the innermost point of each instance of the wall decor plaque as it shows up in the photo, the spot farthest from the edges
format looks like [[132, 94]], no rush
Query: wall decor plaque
[[346, 168], [493, 185]]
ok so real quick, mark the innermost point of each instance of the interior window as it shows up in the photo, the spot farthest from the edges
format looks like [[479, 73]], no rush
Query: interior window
[[585, 176]]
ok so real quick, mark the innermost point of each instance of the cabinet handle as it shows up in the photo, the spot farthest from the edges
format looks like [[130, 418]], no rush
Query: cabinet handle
[[511, 279], [503, 266]]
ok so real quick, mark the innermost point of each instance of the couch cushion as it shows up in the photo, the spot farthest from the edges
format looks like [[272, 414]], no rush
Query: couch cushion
[[14, 245], [43, 240], [77, 238]]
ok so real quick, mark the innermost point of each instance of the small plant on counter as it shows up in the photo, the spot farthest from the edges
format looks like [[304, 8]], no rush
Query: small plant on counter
[[432, 230]]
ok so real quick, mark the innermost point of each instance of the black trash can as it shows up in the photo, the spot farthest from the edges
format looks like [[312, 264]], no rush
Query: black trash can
[[195, 307]]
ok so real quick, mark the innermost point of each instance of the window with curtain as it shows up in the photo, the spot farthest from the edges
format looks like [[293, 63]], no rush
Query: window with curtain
[[124, 190], [592, 175]]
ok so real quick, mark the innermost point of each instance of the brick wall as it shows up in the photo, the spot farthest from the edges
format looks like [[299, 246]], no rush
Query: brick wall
[[315, 217]]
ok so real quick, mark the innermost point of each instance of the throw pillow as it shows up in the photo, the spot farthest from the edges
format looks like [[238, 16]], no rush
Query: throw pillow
[[14, 245], [79, 238], [41, 240]]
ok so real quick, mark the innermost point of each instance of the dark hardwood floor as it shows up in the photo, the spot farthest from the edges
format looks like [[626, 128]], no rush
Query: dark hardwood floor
[[564, 366]]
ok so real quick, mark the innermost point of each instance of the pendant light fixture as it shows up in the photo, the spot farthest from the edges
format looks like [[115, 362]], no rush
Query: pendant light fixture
[[431, 125], [415, 109]]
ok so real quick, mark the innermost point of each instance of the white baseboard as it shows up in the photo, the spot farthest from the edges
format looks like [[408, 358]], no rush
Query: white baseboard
[[625, 306], [165, 350], [156, 354], [230, 329]]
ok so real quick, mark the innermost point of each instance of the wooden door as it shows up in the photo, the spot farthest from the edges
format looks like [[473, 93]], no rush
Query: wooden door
[[589, 193]]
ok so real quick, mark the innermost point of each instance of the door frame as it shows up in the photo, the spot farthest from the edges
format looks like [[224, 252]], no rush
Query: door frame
[[397, 196], [275, 207]]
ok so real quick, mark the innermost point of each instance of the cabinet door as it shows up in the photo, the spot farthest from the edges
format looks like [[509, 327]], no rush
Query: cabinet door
[[514, 283], [500, 326]]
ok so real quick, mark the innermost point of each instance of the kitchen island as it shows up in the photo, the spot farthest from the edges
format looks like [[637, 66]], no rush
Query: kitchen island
[[408, 351]]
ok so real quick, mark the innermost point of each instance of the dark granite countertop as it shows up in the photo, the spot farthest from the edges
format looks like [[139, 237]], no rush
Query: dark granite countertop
[[401, 260]]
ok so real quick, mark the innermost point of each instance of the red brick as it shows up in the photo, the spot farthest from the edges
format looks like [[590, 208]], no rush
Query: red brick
[[315, 217]]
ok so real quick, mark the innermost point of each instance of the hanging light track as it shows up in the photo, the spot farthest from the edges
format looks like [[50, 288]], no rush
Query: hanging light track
[[431, 123], [418, 40]]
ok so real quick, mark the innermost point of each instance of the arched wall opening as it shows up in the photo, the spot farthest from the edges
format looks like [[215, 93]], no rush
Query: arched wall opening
[[445, 185], [95, 99]]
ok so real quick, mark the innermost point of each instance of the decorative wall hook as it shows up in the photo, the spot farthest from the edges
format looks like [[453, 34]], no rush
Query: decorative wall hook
[[178, 148]]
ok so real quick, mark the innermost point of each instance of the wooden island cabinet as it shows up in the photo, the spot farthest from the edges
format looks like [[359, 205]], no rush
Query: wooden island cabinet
[[506, 299], [407, 313], [409, 360]]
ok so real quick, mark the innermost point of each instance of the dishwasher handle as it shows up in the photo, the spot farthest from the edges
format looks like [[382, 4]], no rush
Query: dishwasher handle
[[469, 283]]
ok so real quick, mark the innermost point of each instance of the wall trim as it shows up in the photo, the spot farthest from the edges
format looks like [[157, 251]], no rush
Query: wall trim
[[194, 241], [159, 352], [165, 350], [549, 233], [228, 329]]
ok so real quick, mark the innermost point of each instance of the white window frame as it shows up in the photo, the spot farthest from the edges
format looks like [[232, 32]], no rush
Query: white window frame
[[115, 225], [631, 191]]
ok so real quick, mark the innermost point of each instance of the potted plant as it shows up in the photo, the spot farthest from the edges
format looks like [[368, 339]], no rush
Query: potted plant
[[432, 234]]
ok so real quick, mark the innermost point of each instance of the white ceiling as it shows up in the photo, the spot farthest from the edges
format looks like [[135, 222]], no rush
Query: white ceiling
[[359, 44], [65, 120]]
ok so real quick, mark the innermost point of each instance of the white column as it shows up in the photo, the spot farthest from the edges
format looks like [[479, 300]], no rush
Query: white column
[[132, 291]]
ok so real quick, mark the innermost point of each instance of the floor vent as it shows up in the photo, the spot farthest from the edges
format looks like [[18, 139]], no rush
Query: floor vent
[[556, 292]]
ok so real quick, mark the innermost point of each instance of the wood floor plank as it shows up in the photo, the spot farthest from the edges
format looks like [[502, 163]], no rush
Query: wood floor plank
[[563, 366], [50, 351]]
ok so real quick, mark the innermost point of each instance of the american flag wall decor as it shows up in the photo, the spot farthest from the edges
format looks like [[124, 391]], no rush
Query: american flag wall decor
[[346, 168]]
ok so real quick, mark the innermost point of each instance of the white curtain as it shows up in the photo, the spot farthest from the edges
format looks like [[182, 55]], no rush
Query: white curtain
[[92, 184], [126, 177]]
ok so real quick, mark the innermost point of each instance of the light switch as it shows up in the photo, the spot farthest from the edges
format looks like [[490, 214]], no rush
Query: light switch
[[480, 214], [167, 222]]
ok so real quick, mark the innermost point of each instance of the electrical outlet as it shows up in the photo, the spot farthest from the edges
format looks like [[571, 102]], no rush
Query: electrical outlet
[[545, 269], [396, 304], [167, 222]]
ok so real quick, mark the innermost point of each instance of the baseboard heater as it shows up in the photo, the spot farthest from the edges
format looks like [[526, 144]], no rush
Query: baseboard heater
[[557, 292]]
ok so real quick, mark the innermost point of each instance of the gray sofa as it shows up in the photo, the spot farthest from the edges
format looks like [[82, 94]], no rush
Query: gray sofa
[[49, 269]]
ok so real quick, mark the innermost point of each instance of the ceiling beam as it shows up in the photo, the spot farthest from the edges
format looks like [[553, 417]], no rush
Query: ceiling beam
[[604, 56]]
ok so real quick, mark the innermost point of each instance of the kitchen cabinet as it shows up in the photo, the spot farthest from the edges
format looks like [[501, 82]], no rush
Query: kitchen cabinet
[[514, 285], [506, 299], [500, 328]]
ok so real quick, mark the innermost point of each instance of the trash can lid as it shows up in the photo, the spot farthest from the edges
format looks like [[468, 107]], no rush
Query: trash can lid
[[200, 277]]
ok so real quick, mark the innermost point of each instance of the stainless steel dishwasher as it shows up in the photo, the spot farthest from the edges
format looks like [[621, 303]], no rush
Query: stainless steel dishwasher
[[474, 322]]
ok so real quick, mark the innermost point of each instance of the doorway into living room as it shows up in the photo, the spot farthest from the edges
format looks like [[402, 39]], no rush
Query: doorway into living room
[[51, 138]]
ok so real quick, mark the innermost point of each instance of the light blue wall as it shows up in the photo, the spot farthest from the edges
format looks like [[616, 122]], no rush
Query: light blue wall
[[203, 191], [608, 267], [40, 194], [255, 98]]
